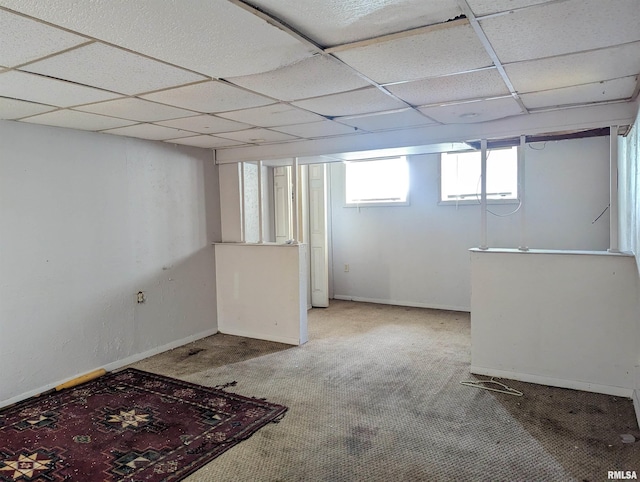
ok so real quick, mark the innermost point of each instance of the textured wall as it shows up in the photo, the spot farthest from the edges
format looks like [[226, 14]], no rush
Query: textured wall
[[86, 221]]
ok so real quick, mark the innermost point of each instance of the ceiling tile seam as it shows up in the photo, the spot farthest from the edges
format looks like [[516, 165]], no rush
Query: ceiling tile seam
[[373, 83], [79, 84], [464, 101], [137, 123], [124, 97], [636, 91], [397, 35], [197, 135], [637, 76], [231, 84], [373, 114], [48, 24], [75, 109], [195, 112], [54, 107], [221, 135], [276, 22], [517, 9], [484, 40], [45, 57], [275, 99], [558, 56], [441, 76], [104, 42], [355, 129], [163, 89], [39, 113]]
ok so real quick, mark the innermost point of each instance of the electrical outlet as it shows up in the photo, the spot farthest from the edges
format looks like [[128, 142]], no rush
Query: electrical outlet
[[346, 268], [141, 297]]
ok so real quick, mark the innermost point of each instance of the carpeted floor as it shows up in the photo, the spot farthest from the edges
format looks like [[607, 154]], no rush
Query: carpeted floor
[[375, 395]]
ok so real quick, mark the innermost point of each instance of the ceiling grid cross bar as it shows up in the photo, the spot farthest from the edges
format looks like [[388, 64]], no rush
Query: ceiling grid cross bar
[[464, 6], [328, 52]]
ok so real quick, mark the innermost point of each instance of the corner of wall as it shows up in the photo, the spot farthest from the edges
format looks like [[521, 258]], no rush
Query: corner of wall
[[636, 404]]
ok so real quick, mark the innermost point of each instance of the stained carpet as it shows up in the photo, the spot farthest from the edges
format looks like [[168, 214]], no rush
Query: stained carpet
[[125, 426], [375, 395]]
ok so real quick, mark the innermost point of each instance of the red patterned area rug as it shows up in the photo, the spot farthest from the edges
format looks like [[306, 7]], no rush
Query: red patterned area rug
[[127, 426]]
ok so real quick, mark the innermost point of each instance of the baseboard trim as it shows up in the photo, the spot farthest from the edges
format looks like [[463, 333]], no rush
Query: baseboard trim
[[636, 404], [111, 366], [555, 382], [412, 304], [260, 336]]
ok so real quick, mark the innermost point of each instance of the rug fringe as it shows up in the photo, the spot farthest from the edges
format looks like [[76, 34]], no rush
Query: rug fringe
[[226, 385], [279, 418]]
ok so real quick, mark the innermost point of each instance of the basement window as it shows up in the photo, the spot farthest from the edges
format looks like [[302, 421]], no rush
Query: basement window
[[377, 182], [460, 176]]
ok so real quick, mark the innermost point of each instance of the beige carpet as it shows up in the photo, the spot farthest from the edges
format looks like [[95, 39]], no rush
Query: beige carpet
[[375, 396]]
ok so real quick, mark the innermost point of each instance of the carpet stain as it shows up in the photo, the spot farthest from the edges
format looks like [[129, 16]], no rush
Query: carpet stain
[[359, 440]]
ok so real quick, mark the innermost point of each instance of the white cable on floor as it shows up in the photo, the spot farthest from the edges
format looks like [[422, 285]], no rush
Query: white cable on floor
[[478, 384]]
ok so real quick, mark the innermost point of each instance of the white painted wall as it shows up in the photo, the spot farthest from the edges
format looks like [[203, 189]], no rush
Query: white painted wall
[[417, 255], [86, 221], [251, 203], [629, 212], [262, 291], [231, 192], [567, 320], [230, 202]]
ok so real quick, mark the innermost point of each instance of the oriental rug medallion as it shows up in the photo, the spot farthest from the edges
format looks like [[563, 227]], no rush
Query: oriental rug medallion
[[128, 426]]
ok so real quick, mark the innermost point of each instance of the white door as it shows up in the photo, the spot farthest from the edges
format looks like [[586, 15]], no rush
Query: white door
[[282, 203], [318, 235]]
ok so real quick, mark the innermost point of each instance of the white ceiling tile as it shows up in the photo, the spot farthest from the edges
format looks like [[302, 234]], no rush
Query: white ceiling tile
[[216, 38], [472, 85], [110, 68], [361, 101], [387, 120], [472, 112], [15, 109], [442, 51], [205, 124], [317, 129], [335, 22], [209, 97], [150, 131], [273, 115], [582, 94], [257, 136], [208, 142], [24, 40], [487, 7], [36, 88], [575, 69], [136, 109], [308, 78], [77, 120], [562, 27]]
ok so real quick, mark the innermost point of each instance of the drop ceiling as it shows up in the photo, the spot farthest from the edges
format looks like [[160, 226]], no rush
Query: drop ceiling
[[234, 74]]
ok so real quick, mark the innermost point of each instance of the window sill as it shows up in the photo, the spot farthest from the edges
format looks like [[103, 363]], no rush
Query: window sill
[[376, 205], [473, 202]]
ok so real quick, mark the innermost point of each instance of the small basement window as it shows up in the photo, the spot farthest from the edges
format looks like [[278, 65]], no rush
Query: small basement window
[[379, 182], [460, 176]]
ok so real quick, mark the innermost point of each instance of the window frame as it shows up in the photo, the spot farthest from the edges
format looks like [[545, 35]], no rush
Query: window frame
[[372, 204], [477, 201]]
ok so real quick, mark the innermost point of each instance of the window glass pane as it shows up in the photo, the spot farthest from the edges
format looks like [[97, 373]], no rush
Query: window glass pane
[[382, 181], [460, 175]]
